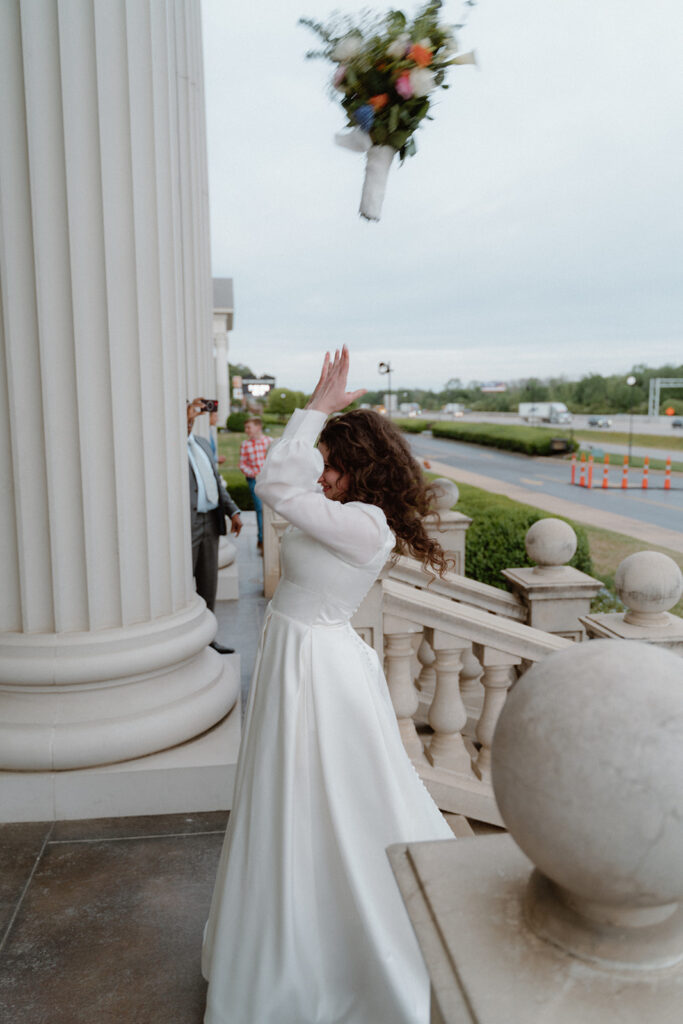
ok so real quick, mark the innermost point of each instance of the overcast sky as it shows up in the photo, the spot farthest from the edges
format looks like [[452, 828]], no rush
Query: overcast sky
[[538, 231]]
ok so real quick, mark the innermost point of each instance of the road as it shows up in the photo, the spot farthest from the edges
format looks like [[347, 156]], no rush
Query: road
[[654, 515], [621, 422]]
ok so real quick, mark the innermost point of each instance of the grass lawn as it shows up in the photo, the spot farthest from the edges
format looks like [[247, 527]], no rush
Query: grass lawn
[[670, 442]]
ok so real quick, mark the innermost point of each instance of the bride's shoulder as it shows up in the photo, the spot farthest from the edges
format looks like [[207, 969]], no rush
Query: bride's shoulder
[[375, 512]]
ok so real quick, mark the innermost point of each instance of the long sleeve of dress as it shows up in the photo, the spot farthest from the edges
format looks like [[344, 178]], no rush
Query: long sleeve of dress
[[288, 483]]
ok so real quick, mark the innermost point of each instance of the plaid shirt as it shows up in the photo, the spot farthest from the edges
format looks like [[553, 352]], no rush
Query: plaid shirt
[[253, 455]]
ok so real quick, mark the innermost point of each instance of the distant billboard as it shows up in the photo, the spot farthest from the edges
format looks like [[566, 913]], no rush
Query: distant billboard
[[258, 387]]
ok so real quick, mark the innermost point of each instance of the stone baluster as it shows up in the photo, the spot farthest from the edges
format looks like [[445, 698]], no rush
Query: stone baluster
[[498, 675], [447, 715], [556, 594], [649, 584], [398, 655], [471, 690], [426, 680]]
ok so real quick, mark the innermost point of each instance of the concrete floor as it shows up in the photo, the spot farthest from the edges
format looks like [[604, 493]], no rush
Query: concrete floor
[[101, 921]]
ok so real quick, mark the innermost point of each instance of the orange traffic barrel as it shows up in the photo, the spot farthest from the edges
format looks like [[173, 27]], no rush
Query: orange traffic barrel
[[624, 474], [590, 471], [573, 480], [605, 472], [667, 475], [646, 470], [582, 474]]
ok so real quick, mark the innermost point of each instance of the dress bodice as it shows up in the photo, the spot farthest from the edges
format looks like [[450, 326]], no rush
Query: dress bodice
[[332, 552], [317, 586]]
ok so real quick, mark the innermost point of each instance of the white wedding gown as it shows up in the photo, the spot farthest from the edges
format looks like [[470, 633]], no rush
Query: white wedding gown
[[306, 924]]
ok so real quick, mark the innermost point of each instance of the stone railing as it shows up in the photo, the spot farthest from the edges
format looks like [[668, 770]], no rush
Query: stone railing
[[453, 760], [576, 915]]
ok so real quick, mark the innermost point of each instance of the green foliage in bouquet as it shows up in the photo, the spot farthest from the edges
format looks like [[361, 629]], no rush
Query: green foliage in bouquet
[[387, 67]]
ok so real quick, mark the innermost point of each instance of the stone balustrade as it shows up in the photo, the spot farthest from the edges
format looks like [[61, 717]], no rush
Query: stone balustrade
[[580, 908], [454, 762]]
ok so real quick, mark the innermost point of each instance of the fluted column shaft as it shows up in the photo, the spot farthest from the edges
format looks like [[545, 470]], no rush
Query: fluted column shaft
[[104, 289]]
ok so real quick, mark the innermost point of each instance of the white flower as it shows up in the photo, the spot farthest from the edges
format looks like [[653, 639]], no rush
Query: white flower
[[427, 43], [398, 47], [422, 81], [347, 48]]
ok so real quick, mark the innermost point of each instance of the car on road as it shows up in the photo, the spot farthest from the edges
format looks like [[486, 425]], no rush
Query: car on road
[[599, 421], [678, 422]]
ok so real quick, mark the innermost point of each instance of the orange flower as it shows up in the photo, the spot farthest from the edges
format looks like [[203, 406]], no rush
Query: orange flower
[[421, 55], [379, 101]]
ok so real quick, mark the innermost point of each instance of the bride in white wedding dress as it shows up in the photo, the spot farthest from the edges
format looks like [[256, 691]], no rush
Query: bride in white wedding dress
[[306, 924]]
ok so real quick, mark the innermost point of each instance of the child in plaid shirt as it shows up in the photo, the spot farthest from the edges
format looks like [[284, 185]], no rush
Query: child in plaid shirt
[[252, 456]]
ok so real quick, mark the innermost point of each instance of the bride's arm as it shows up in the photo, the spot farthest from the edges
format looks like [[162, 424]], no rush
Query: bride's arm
[[288, 483]]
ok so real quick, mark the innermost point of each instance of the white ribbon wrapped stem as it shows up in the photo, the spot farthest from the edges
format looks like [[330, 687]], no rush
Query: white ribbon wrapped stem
[[355, 139], [376, 173]]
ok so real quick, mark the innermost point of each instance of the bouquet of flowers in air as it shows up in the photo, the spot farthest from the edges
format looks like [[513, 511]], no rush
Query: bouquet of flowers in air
[[387, 70]]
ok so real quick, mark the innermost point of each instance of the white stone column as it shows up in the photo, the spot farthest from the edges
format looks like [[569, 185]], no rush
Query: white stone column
[[103, 279], [196, 281]]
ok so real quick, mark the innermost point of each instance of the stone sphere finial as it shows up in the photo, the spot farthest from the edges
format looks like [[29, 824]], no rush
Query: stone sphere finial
[[649, 583], [587, 765], [550, 543], [444, 494]]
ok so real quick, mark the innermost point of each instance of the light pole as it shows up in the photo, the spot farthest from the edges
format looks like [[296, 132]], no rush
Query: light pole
[[630, 380], [386, 368]]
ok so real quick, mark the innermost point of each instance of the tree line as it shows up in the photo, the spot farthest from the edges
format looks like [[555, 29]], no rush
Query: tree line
[[593, 393]]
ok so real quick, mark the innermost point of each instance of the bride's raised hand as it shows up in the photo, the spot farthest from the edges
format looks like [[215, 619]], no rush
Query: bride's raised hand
[[330, 394]]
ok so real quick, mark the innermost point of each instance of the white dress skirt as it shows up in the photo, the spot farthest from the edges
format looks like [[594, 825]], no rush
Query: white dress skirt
[[307, 925]]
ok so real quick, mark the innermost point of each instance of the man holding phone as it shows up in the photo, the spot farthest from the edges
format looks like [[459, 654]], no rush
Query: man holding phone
[[210, 503]]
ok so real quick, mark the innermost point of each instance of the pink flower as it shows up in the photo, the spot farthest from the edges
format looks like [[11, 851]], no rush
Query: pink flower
[[404, 87]]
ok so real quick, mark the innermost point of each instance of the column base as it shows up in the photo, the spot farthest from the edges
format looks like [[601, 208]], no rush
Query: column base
[[76, 700], [195, 776]]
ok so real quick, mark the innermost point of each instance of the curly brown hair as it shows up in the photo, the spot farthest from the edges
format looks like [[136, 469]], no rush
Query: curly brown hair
[[382, 471]]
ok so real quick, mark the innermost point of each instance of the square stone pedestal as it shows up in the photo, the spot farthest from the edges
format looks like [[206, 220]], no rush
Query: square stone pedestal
[[613, 626], [556, 597], [464, 898], [195, 776]]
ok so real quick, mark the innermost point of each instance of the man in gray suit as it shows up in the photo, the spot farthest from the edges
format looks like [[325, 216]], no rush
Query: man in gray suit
[[210, 503]]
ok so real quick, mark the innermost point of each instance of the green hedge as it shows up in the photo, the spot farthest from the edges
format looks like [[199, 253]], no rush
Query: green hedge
[[413, 426], [239, 488], [529, 440], [495, 541]]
